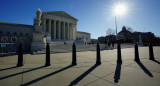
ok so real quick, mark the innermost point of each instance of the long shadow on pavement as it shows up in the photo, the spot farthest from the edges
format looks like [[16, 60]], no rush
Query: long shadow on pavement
[[83, 75], [144, 68], [156, 61], [43, 77], [8, 68], [21, 72], [117, 72]]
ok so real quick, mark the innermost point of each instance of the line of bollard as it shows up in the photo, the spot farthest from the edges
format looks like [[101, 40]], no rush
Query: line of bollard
[[98, 62], [119, 59], [74, 55], [20, 56], [151, 54], [136, 53], [47, 55]]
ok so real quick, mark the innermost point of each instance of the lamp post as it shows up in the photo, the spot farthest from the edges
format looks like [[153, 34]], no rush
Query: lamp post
[[119, 10]]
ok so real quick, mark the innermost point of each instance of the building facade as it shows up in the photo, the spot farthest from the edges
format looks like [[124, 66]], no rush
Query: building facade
[[127, 36], [48, 27], [59, 25], [12, 34]]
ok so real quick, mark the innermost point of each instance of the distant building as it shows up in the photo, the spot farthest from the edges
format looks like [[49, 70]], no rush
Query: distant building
[[127, 36], [93, 41], [144, 35], [102, 39], [83, 37], [124, 34], [111, 38]]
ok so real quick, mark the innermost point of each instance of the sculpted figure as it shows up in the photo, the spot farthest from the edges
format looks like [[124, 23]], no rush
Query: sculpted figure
[[39, 14], [38, 27]]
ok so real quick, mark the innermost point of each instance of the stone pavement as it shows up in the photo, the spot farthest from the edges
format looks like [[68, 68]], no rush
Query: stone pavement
[[85, 73]]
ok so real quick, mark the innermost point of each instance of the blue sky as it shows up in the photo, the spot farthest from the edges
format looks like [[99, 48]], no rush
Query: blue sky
[[95, 16]]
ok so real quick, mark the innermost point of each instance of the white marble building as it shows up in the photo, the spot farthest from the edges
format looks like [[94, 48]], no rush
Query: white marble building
[[49, 27], [58, 25]]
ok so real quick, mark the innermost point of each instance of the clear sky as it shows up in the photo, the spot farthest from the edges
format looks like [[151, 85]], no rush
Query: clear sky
[[95, 16]]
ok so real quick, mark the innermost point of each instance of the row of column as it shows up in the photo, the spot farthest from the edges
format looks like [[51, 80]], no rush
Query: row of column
[[59, 29]]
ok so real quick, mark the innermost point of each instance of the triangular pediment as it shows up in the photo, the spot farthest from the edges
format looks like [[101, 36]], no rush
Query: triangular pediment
[[60, 14]]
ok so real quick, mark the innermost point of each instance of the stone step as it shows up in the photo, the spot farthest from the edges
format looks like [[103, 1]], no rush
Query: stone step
[[59, 48]]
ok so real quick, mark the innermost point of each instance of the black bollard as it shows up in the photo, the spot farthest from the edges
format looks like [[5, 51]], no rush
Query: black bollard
[[47, 55], [119, 60], [20, 56], [74, 55], [98, 62], [151, 54], [136, 53]]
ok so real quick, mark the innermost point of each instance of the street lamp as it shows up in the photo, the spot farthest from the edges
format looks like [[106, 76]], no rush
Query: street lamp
[[116, 26]]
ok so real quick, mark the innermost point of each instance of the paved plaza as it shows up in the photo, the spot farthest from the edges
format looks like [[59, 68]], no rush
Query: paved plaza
[[85, 73]]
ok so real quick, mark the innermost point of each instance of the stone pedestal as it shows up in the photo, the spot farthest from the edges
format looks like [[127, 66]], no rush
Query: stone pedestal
[[38, 29], [38, 42], [48, 38]]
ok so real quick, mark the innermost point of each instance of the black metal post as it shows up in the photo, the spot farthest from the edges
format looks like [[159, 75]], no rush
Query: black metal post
[[20, 56], [151, 54], [47, 55], [136, 53], [74, 55], [119, 60], [98, 62]]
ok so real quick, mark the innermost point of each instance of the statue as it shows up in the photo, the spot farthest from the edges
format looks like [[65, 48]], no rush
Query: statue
[[38, 27], [38, 38], [39, 14]]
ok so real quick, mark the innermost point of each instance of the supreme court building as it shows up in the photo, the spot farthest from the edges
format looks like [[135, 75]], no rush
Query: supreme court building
[[59, 25], [48, 27]]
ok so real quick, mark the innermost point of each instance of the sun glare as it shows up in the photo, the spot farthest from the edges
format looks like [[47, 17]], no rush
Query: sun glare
[[120, 9]]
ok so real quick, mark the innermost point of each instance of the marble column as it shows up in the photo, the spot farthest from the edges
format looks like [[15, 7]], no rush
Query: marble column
[[68, 32], [72, 31], [75, 30], [52, 29], [70, 26], [55, 29], [44, 26], [64, 30], [59, 30], [49, 31]]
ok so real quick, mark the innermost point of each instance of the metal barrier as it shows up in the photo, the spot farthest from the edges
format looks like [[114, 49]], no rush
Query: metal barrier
[[7, 48]]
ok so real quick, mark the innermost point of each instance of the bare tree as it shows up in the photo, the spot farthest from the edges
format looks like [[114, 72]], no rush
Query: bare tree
[[110, 32]]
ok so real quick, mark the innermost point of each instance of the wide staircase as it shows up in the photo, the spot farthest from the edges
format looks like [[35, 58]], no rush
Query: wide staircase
[[63, 48]]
